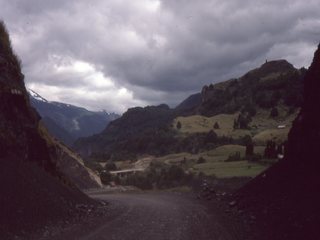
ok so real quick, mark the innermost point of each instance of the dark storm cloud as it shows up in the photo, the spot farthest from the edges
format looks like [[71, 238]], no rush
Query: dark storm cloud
[[118, 54]]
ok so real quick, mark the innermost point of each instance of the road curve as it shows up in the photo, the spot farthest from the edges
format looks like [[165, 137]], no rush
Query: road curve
[[153, 216]]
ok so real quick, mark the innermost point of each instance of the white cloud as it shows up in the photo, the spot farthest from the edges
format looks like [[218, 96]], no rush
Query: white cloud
[[89, 86], [115, 54]]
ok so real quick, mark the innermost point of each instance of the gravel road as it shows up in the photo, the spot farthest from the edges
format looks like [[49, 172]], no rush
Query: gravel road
[[146, 216]]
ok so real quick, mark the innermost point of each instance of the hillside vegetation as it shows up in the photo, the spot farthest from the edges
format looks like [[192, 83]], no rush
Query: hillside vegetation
[[274, 83], [138, 131]]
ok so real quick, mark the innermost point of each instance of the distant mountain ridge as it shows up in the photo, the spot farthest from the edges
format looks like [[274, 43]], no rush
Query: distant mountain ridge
[[68, 122]]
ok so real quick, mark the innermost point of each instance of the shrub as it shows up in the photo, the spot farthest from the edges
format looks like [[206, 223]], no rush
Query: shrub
[[139, 180], [249, 149], [246, 140], [235, 124], [270, 150], [110, 166], [250, 109], [274, 112], [243, 121], [254, 157], [159, 175], [175, 173], [201, 160], [234, 157], [211, 137], [216, 125], [105, 177], [291, 110]]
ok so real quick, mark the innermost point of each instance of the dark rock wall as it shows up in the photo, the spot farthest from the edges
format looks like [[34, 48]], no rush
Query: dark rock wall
[[304, 138]]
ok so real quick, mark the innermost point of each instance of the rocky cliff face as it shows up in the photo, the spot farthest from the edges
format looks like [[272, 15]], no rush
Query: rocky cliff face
[[285, 199], [33, 191]]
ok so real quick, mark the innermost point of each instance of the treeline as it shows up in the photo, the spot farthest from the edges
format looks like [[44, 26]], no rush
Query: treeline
[[162, 143]]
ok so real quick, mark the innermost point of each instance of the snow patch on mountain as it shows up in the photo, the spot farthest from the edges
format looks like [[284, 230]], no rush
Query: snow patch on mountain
[[36, 96]]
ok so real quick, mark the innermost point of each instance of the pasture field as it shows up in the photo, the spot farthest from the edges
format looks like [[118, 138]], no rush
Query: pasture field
[[262, 127], [215, 162]]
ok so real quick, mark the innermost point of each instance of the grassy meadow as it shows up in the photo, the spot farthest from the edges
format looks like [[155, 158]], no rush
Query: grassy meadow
[[215, 162], [262, 127]]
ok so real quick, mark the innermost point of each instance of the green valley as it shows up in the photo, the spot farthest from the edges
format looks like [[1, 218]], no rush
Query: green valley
[[236, 128]]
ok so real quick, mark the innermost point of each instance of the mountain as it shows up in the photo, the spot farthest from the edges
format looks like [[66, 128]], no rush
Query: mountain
[[67, 122], [276, 87], [138, 130], [265, 87], [285, 198], [33, 191]]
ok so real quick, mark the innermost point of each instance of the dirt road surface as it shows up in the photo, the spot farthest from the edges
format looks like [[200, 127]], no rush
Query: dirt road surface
[[146, 216]]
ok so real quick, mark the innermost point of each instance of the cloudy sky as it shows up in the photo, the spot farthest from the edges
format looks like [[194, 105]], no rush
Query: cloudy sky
[[115, 54]]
